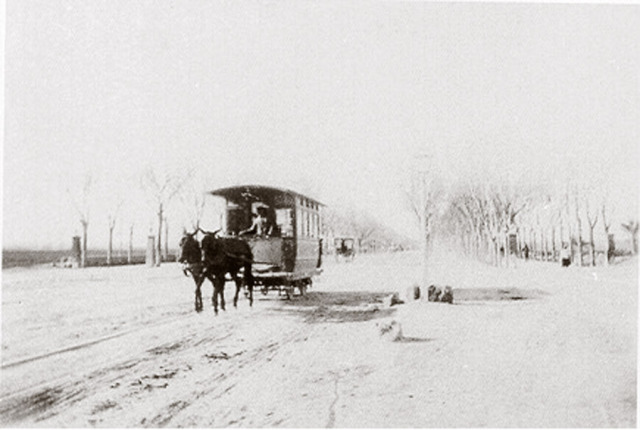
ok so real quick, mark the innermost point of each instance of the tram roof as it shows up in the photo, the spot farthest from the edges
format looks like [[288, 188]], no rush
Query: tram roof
[[237, 192]]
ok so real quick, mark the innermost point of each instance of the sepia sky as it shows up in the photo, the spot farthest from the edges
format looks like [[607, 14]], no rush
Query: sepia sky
[[333, 98]]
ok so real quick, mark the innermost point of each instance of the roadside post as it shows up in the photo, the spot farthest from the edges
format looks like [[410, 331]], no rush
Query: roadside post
[[149, 258], [422, 164], [76, 252]]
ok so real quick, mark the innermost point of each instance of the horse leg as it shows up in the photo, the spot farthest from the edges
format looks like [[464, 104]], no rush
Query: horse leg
[[214, 297], [218, 287], [220, 292], [248, 279], [198, 302], [238, 282], [235, 297], [212, 279]]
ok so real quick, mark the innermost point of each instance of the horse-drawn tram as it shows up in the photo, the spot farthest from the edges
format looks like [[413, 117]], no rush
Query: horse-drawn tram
[[282, 228]]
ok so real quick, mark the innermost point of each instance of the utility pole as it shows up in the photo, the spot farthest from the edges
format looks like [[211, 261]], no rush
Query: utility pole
[[425, 231], [422, 162]]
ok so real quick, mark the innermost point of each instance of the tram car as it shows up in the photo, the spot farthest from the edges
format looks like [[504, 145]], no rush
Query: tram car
[[287, 252]]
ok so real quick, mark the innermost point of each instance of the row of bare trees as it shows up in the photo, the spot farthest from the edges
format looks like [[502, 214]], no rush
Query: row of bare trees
[[482, 217], [500, 221], [159, 188]]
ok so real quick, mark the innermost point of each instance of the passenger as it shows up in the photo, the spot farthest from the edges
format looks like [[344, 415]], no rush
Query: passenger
[[261, 225]]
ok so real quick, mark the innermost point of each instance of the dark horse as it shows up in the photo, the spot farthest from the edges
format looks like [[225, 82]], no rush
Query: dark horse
[[212, 260], [191, 259]]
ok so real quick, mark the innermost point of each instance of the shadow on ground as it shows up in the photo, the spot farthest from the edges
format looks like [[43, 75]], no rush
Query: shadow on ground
[[338, 307], [495, 294]]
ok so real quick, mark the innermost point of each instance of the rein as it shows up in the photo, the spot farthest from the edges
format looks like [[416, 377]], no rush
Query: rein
[[229, 254]]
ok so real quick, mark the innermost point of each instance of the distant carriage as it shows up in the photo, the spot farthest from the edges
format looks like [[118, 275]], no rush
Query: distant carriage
[[289, 255], [344, 248]]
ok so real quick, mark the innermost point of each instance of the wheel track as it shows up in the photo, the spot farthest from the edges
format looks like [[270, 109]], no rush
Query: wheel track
[[36, 401], [44, 400], [225, 381], [87, 344]]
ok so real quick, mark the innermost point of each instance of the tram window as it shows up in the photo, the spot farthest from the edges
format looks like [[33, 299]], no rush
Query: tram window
[[308, 223], [315, 224], [284, 222], [316, 232], [299, 222]]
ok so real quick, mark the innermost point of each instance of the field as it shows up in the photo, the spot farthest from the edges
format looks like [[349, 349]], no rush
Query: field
[[531, 346], [29, 258]]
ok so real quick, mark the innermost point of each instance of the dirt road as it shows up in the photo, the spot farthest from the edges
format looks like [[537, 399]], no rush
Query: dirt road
[[122, 347]]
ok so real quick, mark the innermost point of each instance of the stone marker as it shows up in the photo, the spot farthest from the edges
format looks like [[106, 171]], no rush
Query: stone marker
[[390, 331]]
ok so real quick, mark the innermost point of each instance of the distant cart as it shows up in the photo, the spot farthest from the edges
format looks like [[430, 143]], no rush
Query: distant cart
[[289, 255], [344, 248]]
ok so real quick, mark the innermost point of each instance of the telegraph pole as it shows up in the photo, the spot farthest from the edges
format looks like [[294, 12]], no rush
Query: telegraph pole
[[422, 161]]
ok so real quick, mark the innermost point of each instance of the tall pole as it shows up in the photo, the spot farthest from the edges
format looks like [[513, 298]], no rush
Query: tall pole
[[422, 160], [424, 229]]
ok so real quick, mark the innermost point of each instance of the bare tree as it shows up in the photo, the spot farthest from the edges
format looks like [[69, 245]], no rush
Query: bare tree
[[193, 200], [567, 218], [606, 225], [81, 204], [426, 200], [592, 220], [162, 187], [579, 228], [362, 228], [111, 219], [166, 238], [468, 207]]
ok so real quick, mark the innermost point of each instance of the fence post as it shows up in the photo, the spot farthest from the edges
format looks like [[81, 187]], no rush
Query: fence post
[[75, 249]]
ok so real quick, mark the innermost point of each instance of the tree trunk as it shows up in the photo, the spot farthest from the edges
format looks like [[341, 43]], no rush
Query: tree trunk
[[579, 222], [130, 250], [592, 244], [159, 241], [110, 248], [83, 254], [553, 243], [562, 242], [166, 240], [532, 246], [606, 246], [570, 242]]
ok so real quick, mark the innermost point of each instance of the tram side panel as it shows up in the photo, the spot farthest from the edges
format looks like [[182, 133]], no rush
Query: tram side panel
[[275, 251], [307, 255]]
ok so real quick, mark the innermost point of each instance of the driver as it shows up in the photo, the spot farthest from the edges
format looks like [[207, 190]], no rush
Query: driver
[[261, 225]]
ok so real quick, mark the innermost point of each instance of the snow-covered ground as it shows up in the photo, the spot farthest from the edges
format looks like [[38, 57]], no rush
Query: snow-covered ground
[[122, 347]]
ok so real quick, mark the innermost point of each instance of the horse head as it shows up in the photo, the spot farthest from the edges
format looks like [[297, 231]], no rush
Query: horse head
[[212, 246], [190, 251]]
